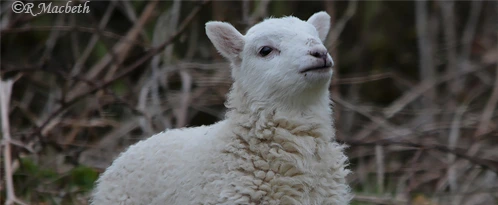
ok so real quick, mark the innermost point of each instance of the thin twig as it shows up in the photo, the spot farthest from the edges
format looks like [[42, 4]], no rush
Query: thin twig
[[127, 70], [410, 96], [362, 79], [421, 89], [448, 14], [5, 94], [426, 49], [489, 164], [94, 39], [341, 23], [52, 39], [380, 165], [182, 112], [120, 50], [470, 29], [454, 136], [73, 28], [488, 111], [378, 200], [259, 12], [130, 13]]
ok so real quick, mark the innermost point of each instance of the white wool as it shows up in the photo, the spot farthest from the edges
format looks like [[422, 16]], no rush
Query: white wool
[[276, 145]]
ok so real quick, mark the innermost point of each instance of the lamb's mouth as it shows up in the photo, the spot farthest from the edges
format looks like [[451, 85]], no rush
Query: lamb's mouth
[[315, 68]]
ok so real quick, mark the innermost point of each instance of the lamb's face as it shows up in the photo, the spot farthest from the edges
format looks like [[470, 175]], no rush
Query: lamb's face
[[280, 57], [285, 53]]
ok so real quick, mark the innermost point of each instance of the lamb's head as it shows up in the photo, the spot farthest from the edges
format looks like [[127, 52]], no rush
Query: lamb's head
[[278, 60]]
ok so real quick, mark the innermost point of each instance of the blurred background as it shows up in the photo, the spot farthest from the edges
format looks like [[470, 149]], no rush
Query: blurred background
[[415, 91]]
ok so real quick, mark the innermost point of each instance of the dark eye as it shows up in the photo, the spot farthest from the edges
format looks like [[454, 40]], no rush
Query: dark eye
[[265, 51]]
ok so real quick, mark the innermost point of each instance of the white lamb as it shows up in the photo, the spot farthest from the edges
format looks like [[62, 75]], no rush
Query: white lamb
[[276, 145]]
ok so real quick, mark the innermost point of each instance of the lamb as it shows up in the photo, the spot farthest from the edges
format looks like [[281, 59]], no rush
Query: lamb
[[276, 145]]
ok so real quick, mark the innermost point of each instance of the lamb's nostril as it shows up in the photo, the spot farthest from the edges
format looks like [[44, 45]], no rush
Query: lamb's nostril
[[318, 54]]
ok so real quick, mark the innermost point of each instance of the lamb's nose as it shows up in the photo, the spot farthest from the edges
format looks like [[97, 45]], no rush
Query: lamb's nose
[[322, 54], [319, 53]]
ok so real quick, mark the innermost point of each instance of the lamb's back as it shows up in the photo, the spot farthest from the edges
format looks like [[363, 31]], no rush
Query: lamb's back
[[162, 169]]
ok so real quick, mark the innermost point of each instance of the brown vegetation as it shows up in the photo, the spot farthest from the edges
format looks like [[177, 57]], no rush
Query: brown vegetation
[[415, 90]]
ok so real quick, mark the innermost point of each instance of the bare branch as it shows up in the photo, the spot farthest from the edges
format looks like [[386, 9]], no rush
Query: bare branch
[[126, 71], [447, 11], [93, 40], [120, 49], [5, 93], [487, 113], [426, 52]]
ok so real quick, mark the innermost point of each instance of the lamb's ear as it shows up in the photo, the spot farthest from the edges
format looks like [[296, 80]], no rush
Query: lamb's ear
[[321, 21], [227, 40]]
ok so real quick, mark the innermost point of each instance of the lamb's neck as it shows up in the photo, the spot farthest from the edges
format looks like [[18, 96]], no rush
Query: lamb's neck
[[290, 142], [256, 116], [313, 100]]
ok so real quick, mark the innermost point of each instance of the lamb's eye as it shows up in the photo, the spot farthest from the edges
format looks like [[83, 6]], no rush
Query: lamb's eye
[[265, 51]]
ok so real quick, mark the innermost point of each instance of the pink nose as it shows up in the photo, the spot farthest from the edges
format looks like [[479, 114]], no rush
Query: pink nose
[[322, 54]]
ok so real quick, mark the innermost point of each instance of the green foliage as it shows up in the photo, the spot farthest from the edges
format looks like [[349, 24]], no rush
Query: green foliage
[[83, 177], [100, 50], [119, 87], [39, 183]]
